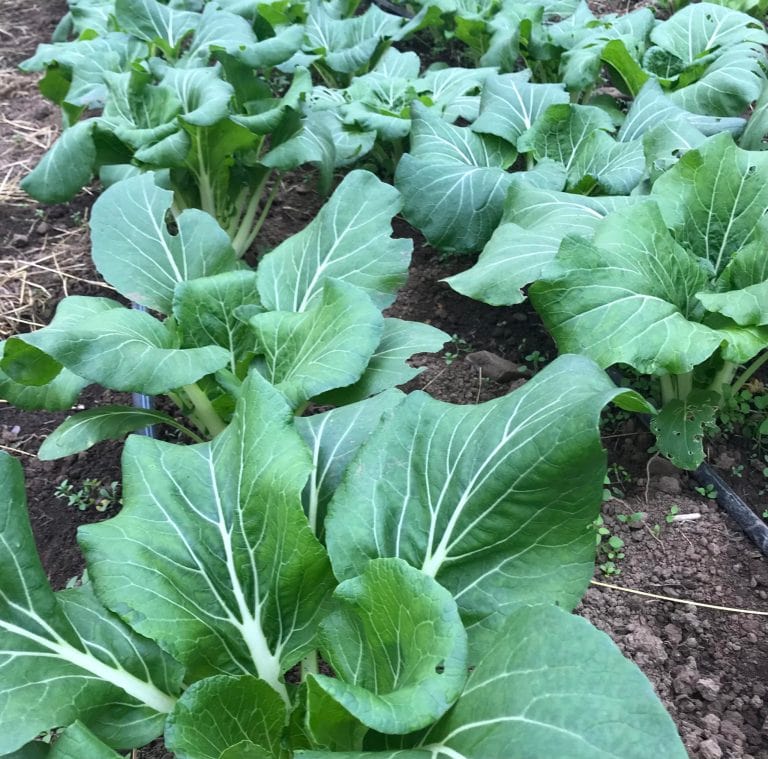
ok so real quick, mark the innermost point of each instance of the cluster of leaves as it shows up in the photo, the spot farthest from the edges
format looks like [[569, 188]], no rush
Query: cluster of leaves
[[428, 552], [668, 177], [308, 319], [219, 97]]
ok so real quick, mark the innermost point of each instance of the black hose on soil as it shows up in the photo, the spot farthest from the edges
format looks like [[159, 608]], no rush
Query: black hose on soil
[[754, 527]]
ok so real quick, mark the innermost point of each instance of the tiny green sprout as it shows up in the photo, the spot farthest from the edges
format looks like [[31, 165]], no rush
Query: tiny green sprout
[[633, 518], [674, 510], [709, 490]]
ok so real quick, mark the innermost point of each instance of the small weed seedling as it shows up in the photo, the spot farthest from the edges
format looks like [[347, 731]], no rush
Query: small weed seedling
[[674, 510], [609, 548], [633, 518], [92, 493], [460, 347], [708, 491]]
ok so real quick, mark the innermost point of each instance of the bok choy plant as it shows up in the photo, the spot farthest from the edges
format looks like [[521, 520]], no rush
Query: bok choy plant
[[309, 318], [674, 286], [455, 539]]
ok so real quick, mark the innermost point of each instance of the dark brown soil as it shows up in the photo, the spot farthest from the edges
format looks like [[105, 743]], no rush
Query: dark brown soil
[[709, 666]]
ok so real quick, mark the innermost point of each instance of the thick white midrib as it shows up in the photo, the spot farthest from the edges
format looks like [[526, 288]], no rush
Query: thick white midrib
[[439, 751], [161, 239], [142, 691], [267, 664]]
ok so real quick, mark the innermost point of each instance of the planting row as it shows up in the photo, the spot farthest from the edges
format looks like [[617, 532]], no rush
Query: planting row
[[428, 553]]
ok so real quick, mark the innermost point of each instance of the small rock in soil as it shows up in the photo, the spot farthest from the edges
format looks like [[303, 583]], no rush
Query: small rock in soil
[[711, 723], [669, 484], [496, 367], [710, 749], [645, 642], [708, 688]]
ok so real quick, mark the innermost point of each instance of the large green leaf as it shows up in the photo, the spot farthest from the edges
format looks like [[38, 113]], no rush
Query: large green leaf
[[492, 500], [612, 167], [526, 242], [388, 365], [724, 47], [219, 30], [67, 166], [451, 90], [85, 429], [350, 239], [123, 349], [334, 438], [347, 45], [77, 741], [137, 254], [562, 131], [652, 108], [204, 96], [510, 104], [221, 712], [629, 297], [214, 538], [325, 347], [57, 395], [64, 657], [397, 646], [82, 64], [554, 686], [550, 686], [744, 282], [206, 312], [715, 198], [153, 21], [453, 182]]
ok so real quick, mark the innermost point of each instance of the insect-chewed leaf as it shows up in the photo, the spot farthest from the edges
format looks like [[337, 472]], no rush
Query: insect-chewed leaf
[[134, 250], [492, 500]]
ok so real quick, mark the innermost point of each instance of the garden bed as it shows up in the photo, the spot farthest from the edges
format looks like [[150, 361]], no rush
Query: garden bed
[[709, 666]]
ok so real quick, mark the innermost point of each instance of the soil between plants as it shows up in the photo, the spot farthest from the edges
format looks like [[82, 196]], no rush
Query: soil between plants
[[709, 667]]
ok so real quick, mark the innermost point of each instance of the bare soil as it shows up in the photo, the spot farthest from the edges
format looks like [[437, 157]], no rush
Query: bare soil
[[709, 666]]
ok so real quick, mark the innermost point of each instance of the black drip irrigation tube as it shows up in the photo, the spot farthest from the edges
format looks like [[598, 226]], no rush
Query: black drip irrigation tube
[[140, 400], [754, 527]]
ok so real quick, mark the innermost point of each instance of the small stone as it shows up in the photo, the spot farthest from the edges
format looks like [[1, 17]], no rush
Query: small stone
[[711, 723], [19, 241], [43, 227], [708, 688], [709, 749], [644, 641], [496, 367], [519, 316], [674, 634], [669, 484]]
